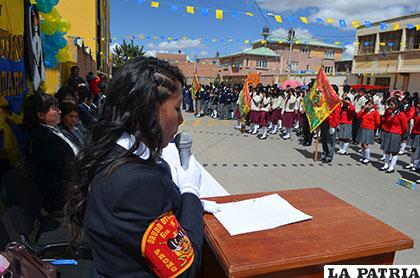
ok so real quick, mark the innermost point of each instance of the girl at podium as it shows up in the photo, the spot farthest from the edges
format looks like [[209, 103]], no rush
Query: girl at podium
[[136, 221]]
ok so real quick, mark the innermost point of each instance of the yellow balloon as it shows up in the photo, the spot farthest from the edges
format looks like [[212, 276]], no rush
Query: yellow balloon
[[51, 15], [48, 27], [63, 55], [63, 25]]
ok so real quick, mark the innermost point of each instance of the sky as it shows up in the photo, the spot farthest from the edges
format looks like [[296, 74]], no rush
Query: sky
[[169, 28]]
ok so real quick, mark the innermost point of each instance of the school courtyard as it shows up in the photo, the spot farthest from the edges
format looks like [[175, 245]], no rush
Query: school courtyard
[[243, 164]]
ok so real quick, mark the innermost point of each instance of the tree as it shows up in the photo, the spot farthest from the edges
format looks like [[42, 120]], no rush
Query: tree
[[125, 52]]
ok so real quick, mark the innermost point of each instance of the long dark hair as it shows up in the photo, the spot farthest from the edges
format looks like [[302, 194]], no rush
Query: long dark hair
[[134, 96]]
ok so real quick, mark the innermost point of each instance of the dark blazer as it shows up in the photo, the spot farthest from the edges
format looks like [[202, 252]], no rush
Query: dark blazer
[[123, 204], [47, 156], [85, 115]]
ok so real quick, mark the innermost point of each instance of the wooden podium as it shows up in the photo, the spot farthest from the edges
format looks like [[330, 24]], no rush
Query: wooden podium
[[338, 234]]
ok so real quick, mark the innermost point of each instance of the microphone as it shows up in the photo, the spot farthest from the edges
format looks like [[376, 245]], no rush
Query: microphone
[[183, 142]]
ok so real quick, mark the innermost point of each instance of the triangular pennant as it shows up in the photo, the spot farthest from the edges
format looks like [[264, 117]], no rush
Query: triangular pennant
[[219, 14], [190, 9], [154, 4]]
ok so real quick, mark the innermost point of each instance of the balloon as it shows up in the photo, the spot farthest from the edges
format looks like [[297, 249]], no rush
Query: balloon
[[61, 42], [63, 55], [52, 2], [48, 27], [50, 62], [63, 25], [51, 15], [44, 8]]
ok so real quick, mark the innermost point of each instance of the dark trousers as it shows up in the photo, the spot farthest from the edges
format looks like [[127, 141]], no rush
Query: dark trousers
[[327, 140], [306, 131], [355, 128]]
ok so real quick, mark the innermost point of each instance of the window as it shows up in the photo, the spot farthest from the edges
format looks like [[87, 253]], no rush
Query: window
[[329, 54], [383, 81], [247, 62], [262, 64], [306, 49], [390, 41], [413, 39], [213, 62], [367, 44], [368, 81], [328, 69], [307, 67], [294, 66]]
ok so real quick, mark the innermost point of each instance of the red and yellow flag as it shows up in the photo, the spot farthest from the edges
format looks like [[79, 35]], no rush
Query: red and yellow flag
[[195, 87], [320, 101], [245, 99]]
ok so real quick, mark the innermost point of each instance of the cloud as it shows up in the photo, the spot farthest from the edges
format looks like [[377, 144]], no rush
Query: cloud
[[360, 10], [113, 46], [349, 52], [176, 45], [204, 53], [300, 34]]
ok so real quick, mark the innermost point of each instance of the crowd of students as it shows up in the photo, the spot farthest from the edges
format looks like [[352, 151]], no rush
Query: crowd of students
[[363, 117]]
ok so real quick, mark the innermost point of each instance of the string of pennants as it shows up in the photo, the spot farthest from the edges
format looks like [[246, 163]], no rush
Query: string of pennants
[[220, 13]]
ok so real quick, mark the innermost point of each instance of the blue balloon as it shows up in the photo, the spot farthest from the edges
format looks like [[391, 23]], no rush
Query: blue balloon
[[44, 8], [50, 62], [61, 42]]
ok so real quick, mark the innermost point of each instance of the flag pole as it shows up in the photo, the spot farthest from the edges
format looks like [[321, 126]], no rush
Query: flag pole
[[316, 144]]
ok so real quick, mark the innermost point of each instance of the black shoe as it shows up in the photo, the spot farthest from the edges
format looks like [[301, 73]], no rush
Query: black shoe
[[322, 158], [306, 144], [327, 160]]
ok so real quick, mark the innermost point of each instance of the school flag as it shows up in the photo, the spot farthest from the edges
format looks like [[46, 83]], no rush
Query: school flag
[[245, 100], [195, 87], [320, 101]]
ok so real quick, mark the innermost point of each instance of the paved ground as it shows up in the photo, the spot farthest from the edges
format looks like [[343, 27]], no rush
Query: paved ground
[[243, 164]]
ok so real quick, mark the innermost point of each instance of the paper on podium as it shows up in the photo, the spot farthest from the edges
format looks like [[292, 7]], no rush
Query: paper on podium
[[258, 214]]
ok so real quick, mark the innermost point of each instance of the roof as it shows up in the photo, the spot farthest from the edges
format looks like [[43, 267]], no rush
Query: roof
[[260, 51], [414, 15], [302, 42]]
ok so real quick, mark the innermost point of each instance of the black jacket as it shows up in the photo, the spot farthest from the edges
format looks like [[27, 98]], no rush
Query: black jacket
[[47, 156], [123, 204]]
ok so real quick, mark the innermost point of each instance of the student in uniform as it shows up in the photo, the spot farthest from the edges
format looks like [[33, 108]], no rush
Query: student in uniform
[[369, 121], [288, 113], [264, 112], [415, 133], [409, 111], [122, 195], [328, 132], [256, 100], [394, 124], [359, 101], [275, 110], [346, 119]]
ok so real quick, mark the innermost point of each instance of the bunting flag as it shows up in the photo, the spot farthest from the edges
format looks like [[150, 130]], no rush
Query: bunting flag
[[417, 27], [190, 9], [383, 26], [396, 26], [278, 18], [342, 23], [219, 14], [321, 101], [195, 87], [249, 14], [245, 100], [330, 20], [368, 24], [154, 4], [304, 19], [205, 12], [355, 24]]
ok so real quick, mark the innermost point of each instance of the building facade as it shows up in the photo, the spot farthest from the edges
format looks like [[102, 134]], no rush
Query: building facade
[[90, 30], [205, 70], [276, 61], [388, 53], [235, 67]]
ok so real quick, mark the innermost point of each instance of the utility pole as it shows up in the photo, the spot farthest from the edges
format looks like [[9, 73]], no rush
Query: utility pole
[[291, 39]]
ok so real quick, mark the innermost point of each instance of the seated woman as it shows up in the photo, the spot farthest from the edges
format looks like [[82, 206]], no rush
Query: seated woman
[[47, 149], [68, 124]]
